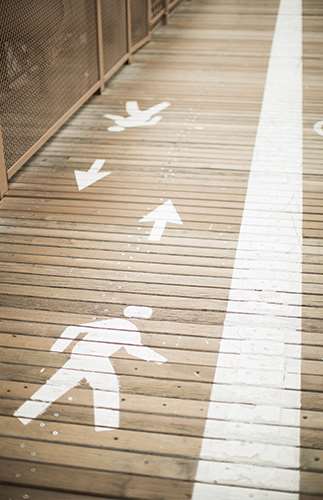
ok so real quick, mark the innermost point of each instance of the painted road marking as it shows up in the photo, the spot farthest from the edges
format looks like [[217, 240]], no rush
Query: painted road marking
[[89, 177], [263, 326], [161, 216], [318, 128], [90, 360], [136, 117]]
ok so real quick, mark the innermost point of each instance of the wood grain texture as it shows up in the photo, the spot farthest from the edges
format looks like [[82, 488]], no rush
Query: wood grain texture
[[70, 257]]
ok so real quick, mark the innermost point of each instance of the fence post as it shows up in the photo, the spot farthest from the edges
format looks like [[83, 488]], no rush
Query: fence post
[[129, 38], [166, 14], [100, 43], [150, 13], [3, 170]]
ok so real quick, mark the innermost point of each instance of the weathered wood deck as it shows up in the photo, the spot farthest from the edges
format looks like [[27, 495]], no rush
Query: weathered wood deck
[[70, 257]]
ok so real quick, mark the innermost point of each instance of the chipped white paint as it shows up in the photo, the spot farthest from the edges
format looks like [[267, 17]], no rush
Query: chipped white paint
[[136, 117], [90, 361], [161, 216], [318, 128], [89, 177], [260, 385]]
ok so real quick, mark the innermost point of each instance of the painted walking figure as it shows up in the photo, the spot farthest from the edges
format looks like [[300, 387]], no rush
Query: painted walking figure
[[90, 361], [136, 117]]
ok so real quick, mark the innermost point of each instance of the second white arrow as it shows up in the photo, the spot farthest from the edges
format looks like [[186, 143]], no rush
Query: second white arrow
[[161, 216]]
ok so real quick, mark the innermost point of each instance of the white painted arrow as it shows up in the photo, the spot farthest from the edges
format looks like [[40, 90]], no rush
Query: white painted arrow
[[85, 179], [161, 216]]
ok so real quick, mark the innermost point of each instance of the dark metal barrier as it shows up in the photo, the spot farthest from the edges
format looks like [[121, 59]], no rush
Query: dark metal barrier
[[48, 63], [139, 16], [115, 33], [160, 10], [55, 54], [157, 6]]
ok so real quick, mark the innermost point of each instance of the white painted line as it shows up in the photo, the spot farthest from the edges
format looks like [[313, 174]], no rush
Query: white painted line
[[257, 385], [136, 117], [89, 177], [161, 216], [216, 492]]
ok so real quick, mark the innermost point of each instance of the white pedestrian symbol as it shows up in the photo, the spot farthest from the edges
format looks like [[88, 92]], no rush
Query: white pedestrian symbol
[[136, 117], [90, 361]]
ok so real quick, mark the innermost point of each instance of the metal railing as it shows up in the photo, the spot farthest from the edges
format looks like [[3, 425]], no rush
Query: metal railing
[[54, 55], [160, 10]]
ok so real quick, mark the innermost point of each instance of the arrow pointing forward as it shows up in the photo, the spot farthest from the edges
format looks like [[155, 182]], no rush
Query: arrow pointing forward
[[85, 179], [161, 216]]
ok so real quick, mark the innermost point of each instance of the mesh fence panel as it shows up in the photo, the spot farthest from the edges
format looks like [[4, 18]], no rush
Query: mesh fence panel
[[139, 20], [48, 61], [157, 6], [114, 24]]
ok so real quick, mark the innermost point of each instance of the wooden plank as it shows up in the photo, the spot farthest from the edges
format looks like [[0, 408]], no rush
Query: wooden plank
[[73, 479], [10, 492], [312, 148], [69, 258]]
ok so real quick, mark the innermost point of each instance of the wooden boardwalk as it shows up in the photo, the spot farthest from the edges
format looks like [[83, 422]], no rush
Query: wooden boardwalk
[[67, 257]]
